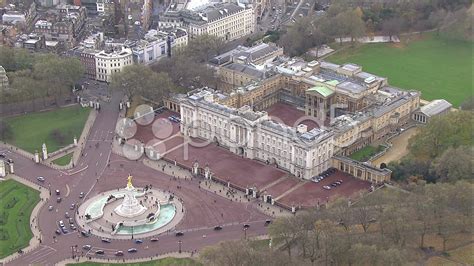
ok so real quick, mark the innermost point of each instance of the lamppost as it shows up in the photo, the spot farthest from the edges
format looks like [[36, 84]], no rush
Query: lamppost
[[179, 246], [72, 252], [132, 231], [245, 232]]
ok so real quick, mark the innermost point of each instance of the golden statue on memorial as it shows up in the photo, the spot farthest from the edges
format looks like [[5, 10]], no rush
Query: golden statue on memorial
[[129, 183]]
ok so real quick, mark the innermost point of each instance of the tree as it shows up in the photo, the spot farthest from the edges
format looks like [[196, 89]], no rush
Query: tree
[[286, 231], [455, 163], [203, 47], [351, 24], [392, 27], [141, 80], [451, 130]]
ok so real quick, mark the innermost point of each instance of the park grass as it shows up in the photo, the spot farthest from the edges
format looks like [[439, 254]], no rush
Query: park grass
[[64, 160], [16, 204], [365, 153], [30, 131], [160, 262], [437, 67]]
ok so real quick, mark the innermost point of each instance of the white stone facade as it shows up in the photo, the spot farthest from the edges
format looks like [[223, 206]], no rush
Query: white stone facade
[[108, 63], [253, 135]]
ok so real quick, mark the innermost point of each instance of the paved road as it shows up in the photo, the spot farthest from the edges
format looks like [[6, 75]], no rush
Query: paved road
[[94, 174]]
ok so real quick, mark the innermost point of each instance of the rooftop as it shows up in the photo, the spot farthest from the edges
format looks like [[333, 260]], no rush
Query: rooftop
[[435, 107]]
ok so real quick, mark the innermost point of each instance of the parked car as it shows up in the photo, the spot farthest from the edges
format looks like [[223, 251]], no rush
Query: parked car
[[132, 250], [66, 215], [86, 247], [246, 225], [72, 207], [179, 233], [154, 239], [40, 178], [106, 240], [58, 200], [84, 234], [50, 208], [327, 187], [119, 253], [65, 231], [58, 232], [138, 241], [61, 223], [81, 195], [217, 228], [58, 192], [3, 155], [99, 252]]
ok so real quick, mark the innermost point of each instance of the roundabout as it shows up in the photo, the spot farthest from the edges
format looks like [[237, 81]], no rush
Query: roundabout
[[130, 212]]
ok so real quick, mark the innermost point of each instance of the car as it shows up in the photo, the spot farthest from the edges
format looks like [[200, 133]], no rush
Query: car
[[50, 208], [86, 247], [340, 181], [327, 187], [73, 227], [64, 230], [246, 225], [58, 192], [268, 222], [58, 232], [66, 215], [106, 240], [81, 195], [61, 223], [217, 228], [71, 221], [138, 241], [58, 200], [3, 155], [334, 185], [154, 239], [72, 207], [40, 178], [119, 253], [337, 183], [179, 233], [99, 252], [132, 250], [84, 234]]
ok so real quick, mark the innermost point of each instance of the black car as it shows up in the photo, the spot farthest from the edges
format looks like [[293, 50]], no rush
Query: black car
[[217, 228], [58, 200], [3, 155], [58, 232], [334, 184], [100, 252], [179, 233], [268, 222], [246, 225], [84, 234]]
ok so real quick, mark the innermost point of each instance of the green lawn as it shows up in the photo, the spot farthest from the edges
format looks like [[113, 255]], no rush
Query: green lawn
[[365, 153], [16, 203], [437, 67], [31, 130], [64, 160], [160, 262]]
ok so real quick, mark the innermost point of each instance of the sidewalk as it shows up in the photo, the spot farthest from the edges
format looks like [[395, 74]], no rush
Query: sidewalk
[[36, 240], [147, 259]]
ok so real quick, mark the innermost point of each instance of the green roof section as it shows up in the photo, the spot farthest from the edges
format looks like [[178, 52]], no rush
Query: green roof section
[[324, 91], [332, 82]]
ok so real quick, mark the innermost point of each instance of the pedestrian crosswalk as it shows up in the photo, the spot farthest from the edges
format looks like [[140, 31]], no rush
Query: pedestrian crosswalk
[[101, 135], [39, 256]]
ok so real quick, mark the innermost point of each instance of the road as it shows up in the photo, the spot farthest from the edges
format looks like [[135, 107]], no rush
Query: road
[[99, 170]]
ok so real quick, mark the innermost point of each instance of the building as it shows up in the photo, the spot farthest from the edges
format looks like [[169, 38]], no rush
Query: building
[[4, 84], [88, 59], [178, 38], [148, 50], [226, 20], [21, 12], [350, 108], [434, 108], [65, 23], [109, 62]]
